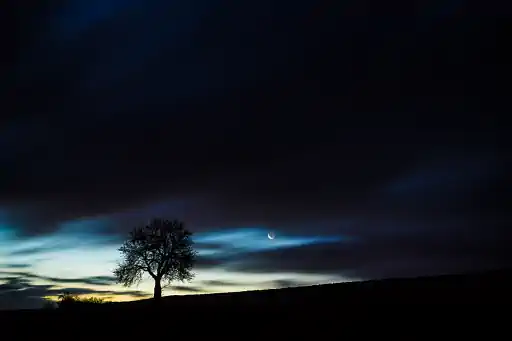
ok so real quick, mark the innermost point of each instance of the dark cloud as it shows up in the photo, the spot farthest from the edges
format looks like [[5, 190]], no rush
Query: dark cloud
[[318, 117], [84, 291], [205, 262], [407, 251], [14, 265], [18, 292], [93, 280], [186, 288], [218, 283], [13, 283], [33, 250], [322, 99], [283, 283], [66, 240]]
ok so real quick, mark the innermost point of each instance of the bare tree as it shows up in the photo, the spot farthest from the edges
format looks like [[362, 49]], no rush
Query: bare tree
[[163, 249]]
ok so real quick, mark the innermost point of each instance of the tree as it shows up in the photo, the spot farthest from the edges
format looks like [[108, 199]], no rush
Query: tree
[[163, 249]]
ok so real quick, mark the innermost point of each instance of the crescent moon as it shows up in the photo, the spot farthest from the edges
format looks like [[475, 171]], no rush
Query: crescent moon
[[271, 235]]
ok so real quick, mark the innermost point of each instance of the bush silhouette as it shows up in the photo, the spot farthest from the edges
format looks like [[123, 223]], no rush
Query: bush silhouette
[[93, 300], [68, 300]]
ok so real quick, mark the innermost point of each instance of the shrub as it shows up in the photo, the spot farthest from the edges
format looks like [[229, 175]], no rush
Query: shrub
[[93, 300], [67, 300]]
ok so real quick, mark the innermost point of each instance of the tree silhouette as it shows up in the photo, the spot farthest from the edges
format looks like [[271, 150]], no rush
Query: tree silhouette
[[163, 249]]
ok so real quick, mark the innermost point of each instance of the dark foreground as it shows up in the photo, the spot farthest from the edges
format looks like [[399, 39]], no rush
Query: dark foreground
[[490, 287], [451, 306]]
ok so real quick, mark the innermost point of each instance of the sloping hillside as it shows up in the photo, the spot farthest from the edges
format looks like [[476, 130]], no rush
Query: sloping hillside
[[490, 287], [323, 309]]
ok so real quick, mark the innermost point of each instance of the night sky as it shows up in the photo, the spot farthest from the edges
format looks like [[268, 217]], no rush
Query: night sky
[[372, 141]]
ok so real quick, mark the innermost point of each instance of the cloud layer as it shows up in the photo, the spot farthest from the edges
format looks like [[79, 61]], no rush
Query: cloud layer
[[371, 142]]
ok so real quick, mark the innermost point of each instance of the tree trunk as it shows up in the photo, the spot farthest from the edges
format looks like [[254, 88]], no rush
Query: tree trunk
[[157, 294]]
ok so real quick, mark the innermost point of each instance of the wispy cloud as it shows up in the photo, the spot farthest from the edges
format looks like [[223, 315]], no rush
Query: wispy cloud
[[190, 289], [254, 239], [14, 265], [93, 280]]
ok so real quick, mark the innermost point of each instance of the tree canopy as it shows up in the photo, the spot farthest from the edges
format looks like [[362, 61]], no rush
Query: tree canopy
[[163, 249]]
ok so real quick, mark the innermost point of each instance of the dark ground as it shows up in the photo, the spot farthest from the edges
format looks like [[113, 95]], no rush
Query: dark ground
[[489, 287], [449, 307], [321, 305]]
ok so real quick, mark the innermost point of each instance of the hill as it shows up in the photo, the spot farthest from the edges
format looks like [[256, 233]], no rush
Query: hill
[[329, 306], [486, 287]]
